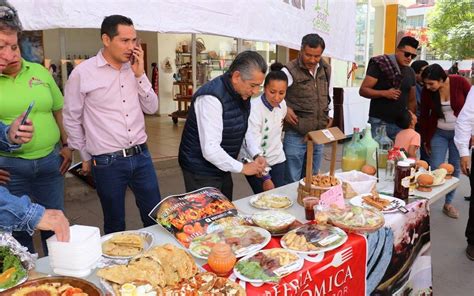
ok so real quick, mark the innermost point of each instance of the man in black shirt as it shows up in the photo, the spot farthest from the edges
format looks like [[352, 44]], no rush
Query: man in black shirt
[[390, 84]]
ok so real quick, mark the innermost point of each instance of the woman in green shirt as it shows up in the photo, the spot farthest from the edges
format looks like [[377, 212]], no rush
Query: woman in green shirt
[[36, 169]]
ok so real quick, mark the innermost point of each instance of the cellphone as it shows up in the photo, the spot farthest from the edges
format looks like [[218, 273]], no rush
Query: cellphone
[[30, 107], [138, 41], [23, 120]]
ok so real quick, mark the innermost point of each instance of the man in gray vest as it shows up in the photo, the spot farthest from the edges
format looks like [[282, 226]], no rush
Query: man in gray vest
[[216, 125], [308, 101]]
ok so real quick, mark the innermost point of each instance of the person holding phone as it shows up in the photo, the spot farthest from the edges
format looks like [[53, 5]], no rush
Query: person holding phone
[[389, 83], [463, 138], [19, 213], [105, 98], [37, 167]]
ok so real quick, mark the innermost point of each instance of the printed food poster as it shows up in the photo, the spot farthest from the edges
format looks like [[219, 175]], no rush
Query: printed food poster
[[188, 215]]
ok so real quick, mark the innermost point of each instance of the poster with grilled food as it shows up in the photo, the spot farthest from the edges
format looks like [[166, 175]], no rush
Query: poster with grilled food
[[188, 215]]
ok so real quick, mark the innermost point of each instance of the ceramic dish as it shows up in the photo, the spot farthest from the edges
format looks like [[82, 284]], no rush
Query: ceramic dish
[[394, 203], [267, 201]]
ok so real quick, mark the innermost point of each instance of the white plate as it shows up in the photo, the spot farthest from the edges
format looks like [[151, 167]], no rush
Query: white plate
[[395, 203], [295, 266], [255, 198], [147, 241], [241, 252], [336, 230], [434, 185]]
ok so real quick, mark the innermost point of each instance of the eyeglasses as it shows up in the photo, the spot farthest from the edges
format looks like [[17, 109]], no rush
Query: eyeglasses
[[408, 54], [6, 13]]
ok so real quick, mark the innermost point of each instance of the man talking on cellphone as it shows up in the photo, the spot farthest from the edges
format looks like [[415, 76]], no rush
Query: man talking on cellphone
[[105, 98]]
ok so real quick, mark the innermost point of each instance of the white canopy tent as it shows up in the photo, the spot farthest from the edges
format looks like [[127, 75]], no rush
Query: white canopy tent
[[283, 22]]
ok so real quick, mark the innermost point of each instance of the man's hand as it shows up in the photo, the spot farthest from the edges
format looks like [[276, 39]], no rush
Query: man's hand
[[392, 94], [20, 134], [4, 177], [465, 162], [291, 117], [252, 168], [86, 168], [138, 66], [56, 221], [66, 154], [330, 121]]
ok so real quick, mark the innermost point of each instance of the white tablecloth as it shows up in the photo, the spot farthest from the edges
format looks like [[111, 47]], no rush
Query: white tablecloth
[[162, 236]]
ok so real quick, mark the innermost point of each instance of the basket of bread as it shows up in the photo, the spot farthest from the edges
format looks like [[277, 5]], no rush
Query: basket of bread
[[319, 184]]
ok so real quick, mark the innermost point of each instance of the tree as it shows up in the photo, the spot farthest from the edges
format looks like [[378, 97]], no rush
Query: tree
[[451, 27]]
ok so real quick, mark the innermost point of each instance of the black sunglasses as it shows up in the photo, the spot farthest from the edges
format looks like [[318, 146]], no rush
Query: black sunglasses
[[6, 13], [408, 54]]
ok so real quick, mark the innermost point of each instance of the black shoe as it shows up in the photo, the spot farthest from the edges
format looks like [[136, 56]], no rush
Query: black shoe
[[468, 198], [470, 252]]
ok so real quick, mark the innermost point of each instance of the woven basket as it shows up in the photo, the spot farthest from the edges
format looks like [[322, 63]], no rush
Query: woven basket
[[315, 191]]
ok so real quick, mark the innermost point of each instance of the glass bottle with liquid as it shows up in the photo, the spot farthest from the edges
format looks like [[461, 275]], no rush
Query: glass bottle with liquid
[[385, 144], [370, 145], [354, 153]]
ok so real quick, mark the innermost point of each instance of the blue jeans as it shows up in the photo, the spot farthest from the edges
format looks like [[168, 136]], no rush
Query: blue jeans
[[392, 128], [294, 146], [441, 143], [39, 179], [113, 174], [278, 178]]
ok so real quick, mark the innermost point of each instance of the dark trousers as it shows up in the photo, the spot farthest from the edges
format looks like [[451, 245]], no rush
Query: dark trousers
[[278, 178], [223, 183], [113, 174], [470, 221]]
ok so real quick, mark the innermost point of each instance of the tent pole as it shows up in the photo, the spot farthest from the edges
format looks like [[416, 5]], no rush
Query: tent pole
[[194, 60]]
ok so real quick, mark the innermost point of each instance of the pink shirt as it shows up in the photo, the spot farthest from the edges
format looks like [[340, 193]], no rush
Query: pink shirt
[[103, 107], [407, 137]]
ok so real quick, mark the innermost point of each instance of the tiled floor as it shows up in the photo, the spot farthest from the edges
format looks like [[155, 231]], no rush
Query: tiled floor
[[163, 136]]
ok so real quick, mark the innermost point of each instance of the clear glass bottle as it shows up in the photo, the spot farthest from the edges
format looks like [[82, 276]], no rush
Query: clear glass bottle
[[385, 145], [353, 155], [370, 145]]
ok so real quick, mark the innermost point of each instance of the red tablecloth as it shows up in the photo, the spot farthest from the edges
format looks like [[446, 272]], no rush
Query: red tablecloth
[[325, 277]]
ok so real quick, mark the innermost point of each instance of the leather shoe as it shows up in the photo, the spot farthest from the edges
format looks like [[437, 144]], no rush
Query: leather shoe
[[470, 252]]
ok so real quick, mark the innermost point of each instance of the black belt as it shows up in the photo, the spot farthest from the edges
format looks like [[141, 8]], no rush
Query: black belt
[[130, 151]]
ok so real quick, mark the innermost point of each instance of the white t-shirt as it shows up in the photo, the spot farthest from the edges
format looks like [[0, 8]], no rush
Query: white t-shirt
[[265, 127], [449, 121]]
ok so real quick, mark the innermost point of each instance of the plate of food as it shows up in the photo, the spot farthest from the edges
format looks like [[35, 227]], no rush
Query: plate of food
[[222, 223], [275, 221], [356, 219], [56, 285], [126, 244], [268, 201], [268, 265], [243, 240], [313, 239], [12, 271], [384, 203], [159, 267]]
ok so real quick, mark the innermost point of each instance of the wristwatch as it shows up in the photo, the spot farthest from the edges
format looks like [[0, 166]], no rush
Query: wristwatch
[[257, 155]]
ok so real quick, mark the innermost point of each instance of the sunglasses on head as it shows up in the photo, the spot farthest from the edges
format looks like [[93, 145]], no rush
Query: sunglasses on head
[[6, 13], [408, 54]]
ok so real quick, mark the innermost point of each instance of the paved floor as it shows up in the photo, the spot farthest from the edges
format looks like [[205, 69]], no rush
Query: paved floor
[[452, 271]]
